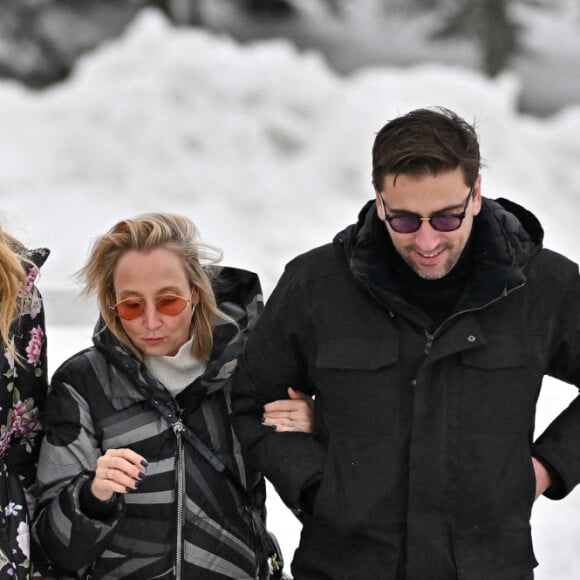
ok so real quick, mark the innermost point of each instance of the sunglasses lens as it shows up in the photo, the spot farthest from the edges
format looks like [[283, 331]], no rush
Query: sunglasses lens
[[445, 223], [405, 224], [170, 305], [129, 309], [408, 224]]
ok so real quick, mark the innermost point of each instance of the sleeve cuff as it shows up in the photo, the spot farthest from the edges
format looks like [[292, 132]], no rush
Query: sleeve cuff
[[557, 488], [93, 507]]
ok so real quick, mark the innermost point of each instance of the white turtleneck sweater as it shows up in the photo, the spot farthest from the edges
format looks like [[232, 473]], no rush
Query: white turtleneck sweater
[[176, 372]]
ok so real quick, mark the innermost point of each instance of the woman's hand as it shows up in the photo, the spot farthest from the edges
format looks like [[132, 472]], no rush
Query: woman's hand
[[293, 414], [118, 471]]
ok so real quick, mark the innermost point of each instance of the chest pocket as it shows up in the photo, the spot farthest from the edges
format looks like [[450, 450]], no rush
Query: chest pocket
[[501, 382], [357, 384]]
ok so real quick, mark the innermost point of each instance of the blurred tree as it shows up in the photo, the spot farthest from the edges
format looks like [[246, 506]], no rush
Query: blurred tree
[[492, 24], [180, 12], [190, 12], [40, 40], [283, 8], [274, 8], [26, 53]]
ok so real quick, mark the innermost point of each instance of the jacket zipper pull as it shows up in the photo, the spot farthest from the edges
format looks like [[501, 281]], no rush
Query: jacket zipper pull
[[178, 427]]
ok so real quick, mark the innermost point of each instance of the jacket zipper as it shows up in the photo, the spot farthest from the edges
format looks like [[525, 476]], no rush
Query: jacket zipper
[[431, 336], [180, 485]]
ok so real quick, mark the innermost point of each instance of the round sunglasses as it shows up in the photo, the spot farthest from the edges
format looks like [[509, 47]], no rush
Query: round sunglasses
[[132, 308], [409, 223]]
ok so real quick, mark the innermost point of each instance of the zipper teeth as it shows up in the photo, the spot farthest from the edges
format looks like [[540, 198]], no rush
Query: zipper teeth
[[180, 488]]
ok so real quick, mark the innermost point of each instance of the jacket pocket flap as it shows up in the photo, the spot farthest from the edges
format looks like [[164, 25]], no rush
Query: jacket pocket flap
[[355, 352]]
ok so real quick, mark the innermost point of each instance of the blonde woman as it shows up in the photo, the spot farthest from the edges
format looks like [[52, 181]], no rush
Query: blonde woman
[[124, 493], [23, 386]]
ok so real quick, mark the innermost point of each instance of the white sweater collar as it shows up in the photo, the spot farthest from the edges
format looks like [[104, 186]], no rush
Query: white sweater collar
[[176, 372]]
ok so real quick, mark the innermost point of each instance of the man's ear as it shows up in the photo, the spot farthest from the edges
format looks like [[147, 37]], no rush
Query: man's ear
[[476, 196], [379, 205]]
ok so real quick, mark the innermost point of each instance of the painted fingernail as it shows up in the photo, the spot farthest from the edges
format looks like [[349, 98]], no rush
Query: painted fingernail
[[262, 419], [144, 463], [274, 427], [137, 484], [142, 475]]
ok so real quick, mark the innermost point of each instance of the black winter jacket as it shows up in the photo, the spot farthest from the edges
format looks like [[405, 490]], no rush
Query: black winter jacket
[[96, 402], [424, 438]]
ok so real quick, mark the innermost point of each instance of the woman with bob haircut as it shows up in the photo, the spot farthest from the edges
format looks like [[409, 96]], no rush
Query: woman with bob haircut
[[23, 386], [141, 475]]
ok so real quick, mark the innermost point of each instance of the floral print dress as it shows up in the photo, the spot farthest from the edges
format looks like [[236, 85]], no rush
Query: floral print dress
[[23, 387]]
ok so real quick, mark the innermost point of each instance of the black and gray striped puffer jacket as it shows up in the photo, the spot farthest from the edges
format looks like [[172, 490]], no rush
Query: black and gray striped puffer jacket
[[96, 402]]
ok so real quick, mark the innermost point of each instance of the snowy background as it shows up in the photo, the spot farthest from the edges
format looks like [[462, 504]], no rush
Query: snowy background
[[267, 150]]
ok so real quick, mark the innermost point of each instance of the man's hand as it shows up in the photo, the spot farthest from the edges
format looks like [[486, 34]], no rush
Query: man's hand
[[543, 479]]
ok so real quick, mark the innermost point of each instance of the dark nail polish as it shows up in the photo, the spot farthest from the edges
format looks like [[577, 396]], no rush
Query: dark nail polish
[[142, 475], [137, 484], [274, 427], [262, 419], [144, 463]]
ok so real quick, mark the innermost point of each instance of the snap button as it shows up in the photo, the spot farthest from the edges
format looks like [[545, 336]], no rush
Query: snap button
[[471, 338]]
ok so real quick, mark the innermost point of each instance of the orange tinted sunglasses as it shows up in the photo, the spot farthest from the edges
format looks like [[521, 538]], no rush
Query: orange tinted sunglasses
[[132, 308]]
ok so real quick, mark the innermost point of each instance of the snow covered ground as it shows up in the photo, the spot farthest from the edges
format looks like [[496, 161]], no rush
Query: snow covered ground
[[268, 151]]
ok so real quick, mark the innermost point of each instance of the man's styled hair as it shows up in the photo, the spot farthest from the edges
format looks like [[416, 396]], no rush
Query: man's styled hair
[[426, 142], [145, 233]]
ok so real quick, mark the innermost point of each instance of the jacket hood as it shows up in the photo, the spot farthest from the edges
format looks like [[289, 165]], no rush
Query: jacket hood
[[505, 236], [528, 227]]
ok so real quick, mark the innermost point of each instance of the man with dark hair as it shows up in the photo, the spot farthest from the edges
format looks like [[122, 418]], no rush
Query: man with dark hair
[[423, 332]]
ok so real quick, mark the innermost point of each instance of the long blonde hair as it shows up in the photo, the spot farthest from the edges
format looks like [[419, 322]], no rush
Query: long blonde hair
[[145, 233], [12, 287]]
